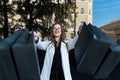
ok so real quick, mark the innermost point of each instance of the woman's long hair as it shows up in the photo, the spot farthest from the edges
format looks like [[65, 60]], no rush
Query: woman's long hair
[[52, 37]]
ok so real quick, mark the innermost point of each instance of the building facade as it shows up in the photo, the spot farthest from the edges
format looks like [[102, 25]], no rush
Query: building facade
[[84, 10], [84, 14], [112, 30]]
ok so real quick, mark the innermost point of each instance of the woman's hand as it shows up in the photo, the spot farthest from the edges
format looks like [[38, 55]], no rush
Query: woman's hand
[[35, 37], [80, 29]]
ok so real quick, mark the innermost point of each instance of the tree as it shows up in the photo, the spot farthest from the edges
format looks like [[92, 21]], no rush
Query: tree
[[42, 10], [5, 28], [31, 11], [5, 9]]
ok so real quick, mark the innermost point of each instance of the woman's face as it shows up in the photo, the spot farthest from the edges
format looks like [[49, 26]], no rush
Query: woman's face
[[57, 30]]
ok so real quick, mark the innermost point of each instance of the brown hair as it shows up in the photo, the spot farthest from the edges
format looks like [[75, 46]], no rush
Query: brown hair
[[62, 37]]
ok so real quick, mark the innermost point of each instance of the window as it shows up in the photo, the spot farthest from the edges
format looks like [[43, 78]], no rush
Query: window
[[82, 11], [73, 0], [89, 12], [15, 0], [72, 24], [57, 0], [19, 0]]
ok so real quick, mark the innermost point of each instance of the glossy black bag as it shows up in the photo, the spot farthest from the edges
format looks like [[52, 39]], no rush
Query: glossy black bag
[[7, 64], [26, 57], [89, 51], [112, 58], [94, 50]]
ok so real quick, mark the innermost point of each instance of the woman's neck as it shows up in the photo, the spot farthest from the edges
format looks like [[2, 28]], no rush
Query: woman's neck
[[57, 39]]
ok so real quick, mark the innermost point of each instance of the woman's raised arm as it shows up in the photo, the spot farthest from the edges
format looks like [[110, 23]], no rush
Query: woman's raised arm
[[40, 44]]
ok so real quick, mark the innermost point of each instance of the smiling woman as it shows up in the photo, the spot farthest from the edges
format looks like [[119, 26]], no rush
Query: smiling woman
[[56, 63], [57, 33]]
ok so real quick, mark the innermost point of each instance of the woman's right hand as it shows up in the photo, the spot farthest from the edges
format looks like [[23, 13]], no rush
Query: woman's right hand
[[35, 37]]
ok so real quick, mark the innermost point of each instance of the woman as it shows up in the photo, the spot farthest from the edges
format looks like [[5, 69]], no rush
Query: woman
[[56, 63]]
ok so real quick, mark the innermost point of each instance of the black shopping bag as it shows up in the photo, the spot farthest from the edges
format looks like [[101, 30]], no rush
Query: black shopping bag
[[7, 66], [102, 36], [26, 58], [109, 64], [111, 59], [93, 51], [93, 56], [81, 45]]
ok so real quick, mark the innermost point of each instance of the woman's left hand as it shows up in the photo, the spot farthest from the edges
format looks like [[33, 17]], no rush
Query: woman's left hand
[[80, 29]]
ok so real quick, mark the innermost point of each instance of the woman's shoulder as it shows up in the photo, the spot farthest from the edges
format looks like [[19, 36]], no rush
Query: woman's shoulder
[[66, 41], [47, 41]]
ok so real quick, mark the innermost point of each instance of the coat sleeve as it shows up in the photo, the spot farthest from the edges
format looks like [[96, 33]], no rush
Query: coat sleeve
[[42, 44], [71, 43]]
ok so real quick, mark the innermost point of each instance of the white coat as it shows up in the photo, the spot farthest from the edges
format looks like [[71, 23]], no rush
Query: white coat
[[50, 50]]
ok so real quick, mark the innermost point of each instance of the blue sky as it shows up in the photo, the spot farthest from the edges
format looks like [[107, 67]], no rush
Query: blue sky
[[105, 11]]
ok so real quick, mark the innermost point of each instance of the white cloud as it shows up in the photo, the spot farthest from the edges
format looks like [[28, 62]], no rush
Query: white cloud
[[98, 0], [107, 6]]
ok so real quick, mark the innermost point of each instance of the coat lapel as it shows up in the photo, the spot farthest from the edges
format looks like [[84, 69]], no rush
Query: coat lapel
[[65, 62], [45, 74]]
